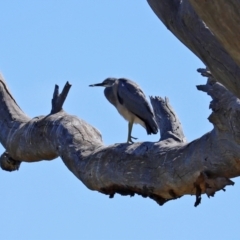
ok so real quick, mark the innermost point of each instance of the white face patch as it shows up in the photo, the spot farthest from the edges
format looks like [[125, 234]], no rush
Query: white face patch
[[108, 83]]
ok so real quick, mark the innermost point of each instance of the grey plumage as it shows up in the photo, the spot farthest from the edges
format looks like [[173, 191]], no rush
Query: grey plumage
[[131, 103]]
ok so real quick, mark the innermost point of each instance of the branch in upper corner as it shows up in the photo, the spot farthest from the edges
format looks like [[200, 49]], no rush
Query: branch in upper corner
[[167, 120], [181, 19], [225, 28], [58, 99]]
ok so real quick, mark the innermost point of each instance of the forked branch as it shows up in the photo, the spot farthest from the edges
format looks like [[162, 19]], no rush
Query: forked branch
[[58, 99]]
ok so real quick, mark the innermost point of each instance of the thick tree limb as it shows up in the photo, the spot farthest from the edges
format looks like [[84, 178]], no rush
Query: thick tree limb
[[163, 170], [180, 18], [223, 19]]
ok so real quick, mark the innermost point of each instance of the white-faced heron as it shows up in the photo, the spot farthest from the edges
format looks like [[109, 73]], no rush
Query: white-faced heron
[[131, 103]]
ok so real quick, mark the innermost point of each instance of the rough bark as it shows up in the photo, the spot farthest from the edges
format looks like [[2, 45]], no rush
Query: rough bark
[[162, 171], [223, 19], [180, 18]]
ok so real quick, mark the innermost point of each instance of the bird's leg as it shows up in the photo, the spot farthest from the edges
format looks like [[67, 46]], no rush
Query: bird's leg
[[129, 139], [130, 125]]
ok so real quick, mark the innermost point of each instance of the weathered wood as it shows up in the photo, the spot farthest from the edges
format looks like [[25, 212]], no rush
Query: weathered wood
[[167, 120], [58, 99], [163, 170], [180, 18], [223, 19]]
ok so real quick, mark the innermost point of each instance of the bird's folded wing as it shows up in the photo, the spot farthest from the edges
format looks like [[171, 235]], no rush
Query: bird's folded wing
[[133, 98]]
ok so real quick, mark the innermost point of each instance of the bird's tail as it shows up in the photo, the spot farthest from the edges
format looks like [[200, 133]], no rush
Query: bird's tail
[[151, 126]]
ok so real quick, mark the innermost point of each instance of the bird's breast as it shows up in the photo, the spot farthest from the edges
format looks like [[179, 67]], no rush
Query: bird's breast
[[129, 116], [124, 112]]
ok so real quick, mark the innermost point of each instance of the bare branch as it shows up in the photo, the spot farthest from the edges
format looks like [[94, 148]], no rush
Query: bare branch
[[226, 27], [58, 99], [180, 18], [167, 120]]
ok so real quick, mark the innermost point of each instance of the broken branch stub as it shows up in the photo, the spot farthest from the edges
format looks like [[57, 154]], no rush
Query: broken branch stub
[[58, 99]]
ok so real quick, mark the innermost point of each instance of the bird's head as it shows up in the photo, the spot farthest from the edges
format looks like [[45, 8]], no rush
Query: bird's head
[[108, 82]]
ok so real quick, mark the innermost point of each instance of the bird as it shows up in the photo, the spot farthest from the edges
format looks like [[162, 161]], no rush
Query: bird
[[130, 101]]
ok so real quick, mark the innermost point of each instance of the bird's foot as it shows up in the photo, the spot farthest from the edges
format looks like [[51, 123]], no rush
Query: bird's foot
[[134, 138], [130, 139]]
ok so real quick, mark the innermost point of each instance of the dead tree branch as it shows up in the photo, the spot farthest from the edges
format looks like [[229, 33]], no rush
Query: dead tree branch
[[180, 18], [163, 170], [227, 27], [58, 99], [167, 120]]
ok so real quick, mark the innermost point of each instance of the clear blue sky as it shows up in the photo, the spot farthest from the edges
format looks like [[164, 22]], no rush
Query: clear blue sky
[[44, 43]]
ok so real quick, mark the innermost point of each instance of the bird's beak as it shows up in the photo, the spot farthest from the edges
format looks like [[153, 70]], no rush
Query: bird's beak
[[97, 85]]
